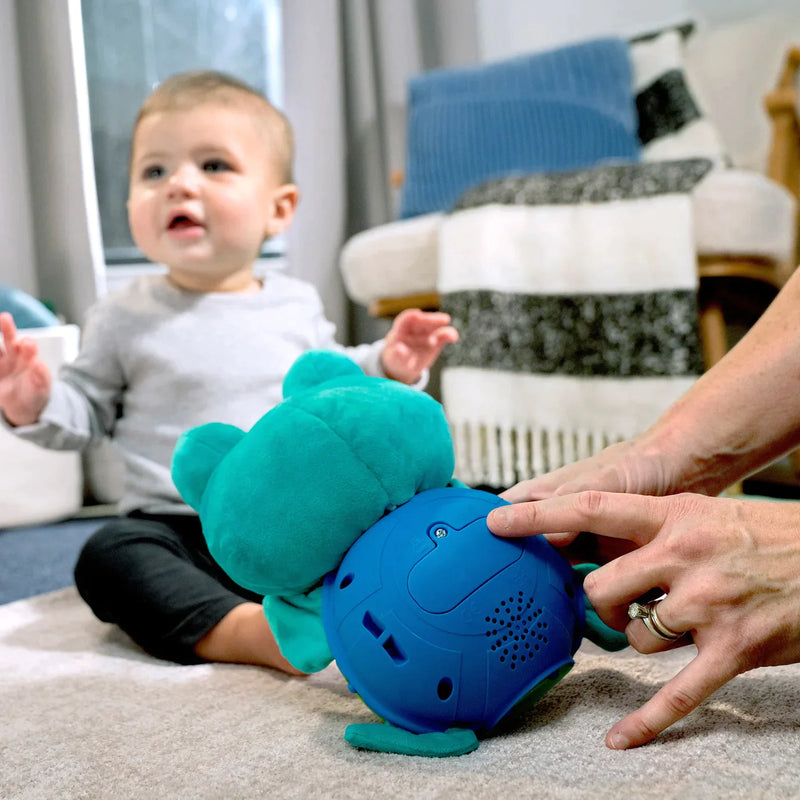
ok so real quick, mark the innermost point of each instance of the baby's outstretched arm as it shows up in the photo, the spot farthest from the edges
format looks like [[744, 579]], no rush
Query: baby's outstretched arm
[[25, 380], [414, 342]]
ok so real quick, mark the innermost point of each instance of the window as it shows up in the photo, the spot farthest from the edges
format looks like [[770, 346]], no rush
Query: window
[[131, 46]]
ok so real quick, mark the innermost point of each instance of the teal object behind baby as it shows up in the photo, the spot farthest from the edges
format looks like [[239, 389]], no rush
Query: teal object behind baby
[[28, 312]]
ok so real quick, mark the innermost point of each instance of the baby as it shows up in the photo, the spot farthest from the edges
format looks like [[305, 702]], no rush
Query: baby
[[210, 181]]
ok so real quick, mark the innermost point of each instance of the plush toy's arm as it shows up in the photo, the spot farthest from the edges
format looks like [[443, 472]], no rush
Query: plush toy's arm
[[596, 630], [296, 624]]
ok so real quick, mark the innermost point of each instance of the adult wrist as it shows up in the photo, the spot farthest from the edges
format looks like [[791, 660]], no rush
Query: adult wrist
[[692, 453]]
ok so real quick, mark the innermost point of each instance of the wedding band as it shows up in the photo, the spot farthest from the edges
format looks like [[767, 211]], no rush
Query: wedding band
[[648, 613]]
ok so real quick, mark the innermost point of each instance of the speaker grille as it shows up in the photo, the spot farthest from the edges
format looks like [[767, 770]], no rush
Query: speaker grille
[[516, 630]]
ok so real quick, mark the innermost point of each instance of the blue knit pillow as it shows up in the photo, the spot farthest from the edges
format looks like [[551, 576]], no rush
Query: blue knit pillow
[[560, 110]]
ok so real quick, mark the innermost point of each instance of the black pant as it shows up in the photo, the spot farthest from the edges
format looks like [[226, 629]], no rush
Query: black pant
[[152, 575]]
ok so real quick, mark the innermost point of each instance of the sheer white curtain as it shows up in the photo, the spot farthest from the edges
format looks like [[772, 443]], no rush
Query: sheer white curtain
[[345, 93], [54, 249], [16, 216]]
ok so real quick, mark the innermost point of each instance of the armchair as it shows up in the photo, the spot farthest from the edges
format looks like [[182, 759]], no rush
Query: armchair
[[771, 250], [743, 232]]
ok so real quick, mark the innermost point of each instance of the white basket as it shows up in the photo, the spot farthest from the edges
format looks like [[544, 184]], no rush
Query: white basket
[[38, 485]]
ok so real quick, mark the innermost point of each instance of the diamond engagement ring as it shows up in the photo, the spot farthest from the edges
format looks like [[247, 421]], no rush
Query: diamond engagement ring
[[648, 613]]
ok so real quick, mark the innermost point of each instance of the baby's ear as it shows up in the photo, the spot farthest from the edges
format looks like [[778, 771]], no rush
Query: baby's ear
[[197, 454], [281, 209]]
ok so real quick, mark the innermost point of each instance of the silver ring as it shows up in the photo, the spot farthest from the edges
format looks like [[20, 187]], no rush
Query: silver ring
[[647, 613]]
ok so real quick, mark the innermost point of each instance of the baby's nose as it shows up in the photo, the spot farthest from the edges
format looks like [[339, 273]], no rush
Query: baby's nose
[[184, 180]]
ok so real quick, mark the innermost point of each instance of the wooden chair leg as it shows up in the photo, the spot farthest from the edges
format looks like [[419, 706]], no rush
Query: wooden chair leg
[[713, 333]]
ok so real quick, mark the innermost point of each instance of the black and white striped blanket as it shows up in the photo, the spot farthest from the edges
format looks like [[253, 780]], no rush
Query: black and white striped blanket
[[575, 298]]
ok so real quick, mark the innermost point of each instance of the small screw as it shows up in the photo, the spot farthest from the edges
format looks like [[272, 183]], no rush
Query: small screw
[[440, 533]]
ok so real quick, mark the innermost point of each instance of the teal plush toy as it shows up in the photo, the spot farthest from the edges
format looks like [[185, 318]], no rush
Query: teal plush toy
[[282, 504]]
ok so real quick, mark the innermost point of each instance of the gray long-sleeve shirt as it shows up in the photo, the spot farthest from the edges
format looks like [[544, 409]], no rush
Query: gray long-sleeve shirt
[[156, 361]]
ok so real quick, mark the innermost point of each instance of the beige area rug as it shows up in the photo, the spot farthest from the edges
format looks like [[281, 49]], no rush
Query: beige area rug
[[87, 715]]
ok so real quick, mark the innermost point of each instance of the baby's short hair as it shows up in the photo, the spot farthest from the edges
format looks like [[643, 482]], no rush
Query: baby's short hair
[[188, 89]]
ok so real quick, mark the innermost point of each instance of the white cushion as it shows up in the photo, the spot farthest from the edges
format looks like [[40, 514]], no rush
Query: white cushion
[[393, 260], [37, 485], [736, 213]]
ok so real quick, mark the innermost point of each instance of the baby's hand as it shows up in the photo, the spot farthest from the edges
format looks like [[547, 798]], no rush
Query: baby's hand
[[25, 380], [414, 342]]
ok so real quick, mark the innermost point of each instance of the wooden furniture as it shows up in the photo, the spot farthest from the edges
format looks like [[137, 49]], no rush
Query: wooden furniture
[[783, 167], [783, 107]]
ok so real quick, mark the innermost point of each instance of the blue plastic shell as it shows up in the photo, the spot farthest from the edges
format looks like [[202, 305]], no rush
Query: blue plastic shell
[[437, 623]]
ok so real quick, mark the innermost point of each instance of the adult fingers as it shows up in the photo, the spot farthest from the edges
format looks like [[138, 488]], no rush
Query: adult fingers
[[694, 683], [631, 576], [679, 519], [641, 638], [533, 489], [565, 480], [637, 518]]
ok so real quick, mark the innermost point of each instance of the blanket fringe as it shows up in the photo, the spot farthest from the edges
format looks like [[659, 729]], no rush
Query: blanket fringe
[[500, 456]]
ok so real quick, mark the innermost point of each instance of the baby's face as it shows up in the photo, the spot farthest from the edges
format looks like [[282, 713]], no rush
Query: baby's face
[[204, 193]]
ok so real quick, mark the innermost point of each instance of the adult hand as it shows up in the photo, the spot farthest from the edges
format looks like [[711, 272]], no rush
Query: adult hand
[[730, 569], [25, 380], [414, 342], [632, 466]]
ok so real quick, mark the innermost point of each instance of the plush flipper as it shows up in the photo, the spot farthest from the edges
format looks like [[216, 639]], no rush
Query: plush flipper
[[296, 624], [596, 630], [386, 738]]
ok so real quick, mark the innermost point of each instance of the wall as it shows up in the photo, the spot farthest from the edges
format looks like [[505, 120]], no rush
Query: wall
[[732, 59], [509, 27], [311, 59], [514, 26]]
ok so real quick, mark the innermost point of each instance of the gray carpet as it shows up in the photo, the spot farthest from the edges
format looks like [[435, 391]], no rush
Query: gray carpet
[[85, 714]]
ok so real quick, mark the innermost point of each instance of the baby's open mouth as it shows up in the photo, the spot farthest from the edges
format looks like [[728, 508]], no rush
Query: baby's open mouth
[[181, 221]]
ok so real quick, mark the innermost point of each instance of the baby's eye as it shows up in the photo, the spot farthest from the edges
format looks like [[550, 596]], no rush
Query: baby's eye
[[216, 165], [153, 172]]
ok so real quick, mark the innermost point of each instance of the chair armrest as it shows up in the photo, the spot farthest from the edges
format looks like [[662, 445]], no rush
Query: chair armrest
[[788, 76], [782, 106]]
